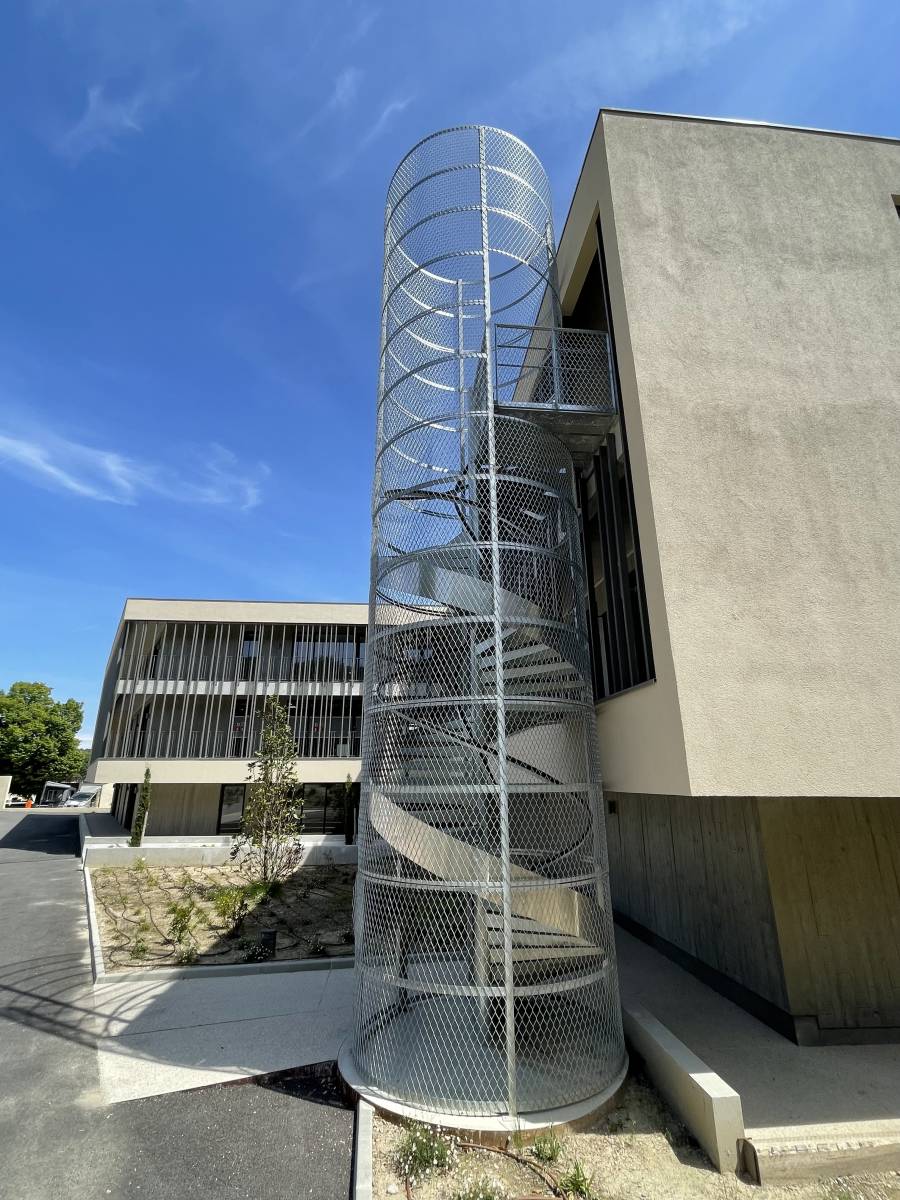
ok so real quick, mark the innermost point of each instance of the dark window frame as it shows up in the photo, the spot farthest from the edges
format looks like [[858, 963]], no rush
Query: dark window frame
[[219, 828], [621, 643]]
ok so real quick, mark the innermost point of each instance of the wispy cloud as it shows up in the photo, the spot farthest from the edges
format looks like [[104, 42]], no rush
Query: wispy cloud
[[107, 119], [387, 114], [214, 476], [342, 163], [344, 90], [645, 45], [102, 124]]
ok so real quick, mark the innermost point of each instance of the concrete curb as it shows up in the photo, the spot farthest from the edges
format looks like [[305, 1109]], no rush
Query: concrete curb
[[710, 1109], [362, 1151], [98, 970], [166, 974]]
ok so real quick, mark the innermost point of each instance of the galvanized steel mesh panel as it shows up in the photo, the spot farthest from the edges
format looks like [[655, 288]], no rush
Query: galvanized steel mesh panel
[[485, 966]]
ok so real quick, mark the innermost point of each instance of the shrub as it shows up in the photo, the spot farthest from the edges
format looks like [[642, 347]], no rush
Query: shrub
[[425, 1150], [261, 890], [139, 865], [547, 1147], [576, 1182], [253, 951], [480, 1187], [317, 948], [139, 949], [183, 919], [230, 905]]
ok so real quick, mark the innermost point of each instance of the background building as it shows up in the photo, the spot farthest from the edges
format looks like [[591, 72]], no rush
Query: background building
[[184, 693], [746, 557]]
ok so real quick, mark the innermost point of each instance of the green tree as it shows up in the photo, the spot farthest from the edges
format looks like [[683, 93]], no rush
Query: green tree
[[143, 808], [269, 840], [38, 737]]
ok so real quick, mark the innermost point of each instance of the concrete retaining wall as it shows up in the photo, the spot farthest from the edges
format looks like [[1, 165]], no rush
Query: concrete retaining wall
[[207, 851], [706, 1104]]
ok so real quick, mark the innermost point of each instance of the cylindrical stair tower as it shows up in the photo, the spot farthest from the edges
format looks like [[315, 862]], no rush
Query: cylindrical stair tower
[[486, 982]]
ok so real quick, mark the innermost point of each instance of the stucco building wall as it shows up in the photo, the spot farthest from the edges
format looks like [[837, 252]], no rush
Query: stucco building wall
[[752, 279], [758, 272]]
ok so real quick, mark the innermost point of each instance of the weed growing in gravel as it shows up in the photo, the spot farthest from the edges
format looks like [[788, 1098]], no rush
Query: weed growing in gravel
[[425, 1150], [576, 1182], [546, 1148]]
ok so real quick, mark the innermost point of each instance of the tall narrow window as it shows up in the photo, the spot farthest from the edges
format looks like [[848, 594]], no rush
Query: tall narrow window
[[617, 601]]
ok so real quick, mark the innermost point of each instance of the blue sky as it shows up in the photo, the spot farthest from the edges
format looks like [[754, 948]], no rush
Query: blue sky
[[191, 198]]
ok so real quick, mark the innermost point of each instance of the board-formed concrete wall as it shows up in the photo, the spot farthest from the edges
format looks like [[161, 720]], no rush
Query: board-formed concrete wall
[[795, 900], [754, 277]]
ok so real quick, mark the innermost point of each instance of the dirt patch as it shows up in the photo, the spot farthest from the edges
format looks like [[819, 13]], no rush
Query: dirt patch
[[640, 1151], [164, 916]]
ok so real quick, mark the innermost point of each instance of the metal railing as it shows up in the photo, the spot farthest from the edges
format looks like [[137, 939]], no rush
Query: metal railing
[[235, 668], [540, 367], [221, 743]]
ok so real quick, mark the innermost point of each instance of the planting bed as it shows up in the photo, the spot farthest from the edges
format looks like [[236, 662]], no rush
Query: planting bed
[[165, 916]]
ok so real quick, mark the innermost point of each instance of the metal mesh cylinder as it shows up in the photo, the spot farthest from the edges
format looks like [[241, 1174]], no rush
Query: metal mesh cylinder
[[484, 950]]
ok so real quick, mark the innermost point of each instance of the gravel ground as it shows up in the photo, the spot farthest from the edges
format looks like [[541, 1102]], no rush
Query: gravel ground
[[640, 1151], [311, 914]]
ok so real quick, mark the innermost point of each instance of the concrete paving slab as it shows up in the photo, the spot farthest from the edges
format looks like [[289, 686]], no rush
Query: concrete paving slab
[[790, 1094], [143, 1005], [171, 1060], [162, 1037]]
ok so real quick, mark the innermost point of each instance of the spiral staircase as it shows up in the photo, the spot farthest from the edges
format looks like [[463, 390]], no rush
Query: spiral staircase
[[485, 968]]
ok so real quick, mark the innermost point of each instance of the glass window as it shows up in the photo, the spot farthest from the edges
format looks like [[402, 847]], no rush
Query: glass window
[[231, 807]]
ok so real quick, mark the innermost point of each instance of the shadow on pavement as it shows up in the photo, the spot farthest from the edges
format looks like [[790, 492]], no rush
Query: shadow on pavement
[[43, 832]]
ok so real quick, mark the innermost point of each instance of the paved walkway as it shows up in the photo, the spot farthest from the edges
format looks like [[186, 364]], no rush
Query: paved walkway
[[163, 1037], [790, 1094], [67, 1051]]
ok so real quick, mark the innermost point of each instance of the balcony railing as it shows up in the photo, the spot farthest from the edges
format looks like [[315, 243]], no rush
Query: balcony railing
[[221, 743], [540, 368], [230, 668]]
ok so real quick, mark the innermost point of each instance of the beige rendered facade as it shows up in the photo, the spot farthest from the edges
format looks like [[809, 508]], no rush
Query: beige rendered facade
[[183, 694], [750, 277]]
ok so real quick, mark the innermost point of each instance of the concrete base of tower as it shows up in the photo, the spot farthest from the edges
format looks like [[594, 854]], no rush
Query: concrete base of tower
[[488, 1129]]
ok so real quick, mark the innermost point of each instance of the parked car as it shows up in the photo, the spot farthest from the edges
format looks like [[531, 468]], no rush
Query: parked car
[[79, 800]]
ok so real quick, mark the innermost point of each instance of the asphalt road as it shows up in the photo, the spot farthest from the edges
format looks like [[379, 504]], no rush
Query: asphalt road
[[276, 1137]]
